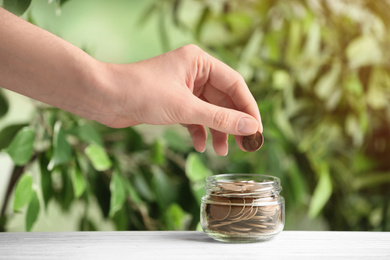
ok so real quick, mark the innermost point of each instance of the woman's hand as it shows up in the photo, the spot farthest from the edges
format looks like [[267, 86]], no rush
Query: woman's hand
[[185, 86]]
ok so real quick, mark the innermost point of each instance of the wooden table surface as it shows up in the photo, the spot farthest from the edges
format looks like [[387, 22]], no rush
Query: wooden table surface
[[192, 245]]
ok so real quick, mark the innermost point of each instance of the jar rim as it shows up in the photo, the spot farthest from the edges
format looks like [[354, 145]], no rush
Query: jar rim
[[258, 178], [262, 182]]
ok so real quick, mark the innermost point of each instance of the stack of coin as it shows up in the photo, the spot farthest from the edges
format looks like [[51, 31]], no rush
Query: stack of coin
[[242, 208]]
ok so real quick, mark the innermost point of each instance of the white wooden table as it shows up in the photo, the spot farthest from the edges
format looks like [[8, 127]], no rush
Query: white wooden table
[[192, 245]]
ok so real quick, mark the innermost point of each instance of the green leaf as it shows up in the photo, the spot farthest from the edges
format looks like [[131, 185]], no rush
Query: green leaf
[[142, 187], [353, 129], [379, 82], [65, 195], [295, 39], [322, 192], [121, 219], [272, 43], [327, 83], [176, 218], [133, 194], [362, 163], [372, 180], [163, 187], [3, 222], [313, 42], [238, 23], [22, 146], [281, 79], [98, 157], [78, 181], [195, 169], [98, 181], [363, 51], [249, 51], [133, 140], [284, 124], [32, 211], [86, 224], [353, 84], [89, 134], [7, 134], [157, 152], [46, 180], [199, 227], [62, 149], [118, 193], [298, 184], [3, 105], [176, 141], [197, 173], [198, 191], [175, 12], [23, 192], [18, 7]]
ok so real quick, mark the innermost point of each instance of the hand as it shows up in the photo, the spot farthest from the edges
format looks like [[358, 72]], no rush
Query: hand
[[185, 86]]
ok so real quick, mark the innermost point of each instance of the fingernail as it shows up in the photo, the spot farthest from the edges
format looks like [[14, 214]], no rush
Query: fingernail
[[247, 126]]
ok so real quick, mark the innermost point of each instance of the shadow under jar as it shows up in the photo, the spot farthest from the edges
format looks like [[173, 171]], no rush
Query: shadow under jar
[[242, 208]]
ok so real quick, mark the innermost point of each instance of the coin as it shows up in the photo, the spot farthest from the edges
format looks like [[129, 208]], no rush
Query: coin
[[221, 224], [252, 213], [237, 209], [252, 143], [231, 187], [218, 211], [241, 229]]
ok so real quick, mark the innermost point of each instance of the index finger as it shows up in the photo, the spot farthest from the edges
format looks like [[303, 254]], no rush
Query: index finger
[[229, 81]]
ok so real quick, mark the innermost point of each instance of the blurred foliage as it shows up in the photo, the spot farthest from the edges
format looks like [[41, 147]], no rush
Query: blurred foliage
[[320, 73]]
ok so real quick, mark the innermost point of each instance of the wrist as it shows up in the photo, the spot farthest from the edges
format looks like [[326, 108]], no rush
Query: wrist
[[85, 88], [110, 84], [99, 93]]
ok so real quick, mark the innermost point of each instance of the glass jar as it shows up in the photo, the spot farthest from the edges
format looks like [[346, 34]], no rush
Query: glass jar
[[242, 208]]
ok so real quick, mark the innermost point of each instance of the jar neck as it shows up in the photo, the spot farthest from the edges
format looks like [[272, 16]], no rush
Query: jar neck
[[243, 185]]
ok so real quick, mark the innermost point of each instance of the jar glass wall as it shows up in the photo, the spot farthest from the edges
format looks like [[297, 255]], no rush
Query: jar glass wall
[[242, 208]]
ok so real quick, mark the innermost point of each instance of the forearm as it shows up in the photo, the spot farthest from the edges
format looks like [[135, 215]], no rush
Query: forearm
[[38, 64]]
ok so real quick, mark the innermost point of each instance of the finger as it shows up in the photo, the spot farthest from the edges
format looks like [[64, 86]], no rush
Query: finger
[[225, 79], [225, 120], [199, 135], [217, 97], [220, 142], [238, 140]]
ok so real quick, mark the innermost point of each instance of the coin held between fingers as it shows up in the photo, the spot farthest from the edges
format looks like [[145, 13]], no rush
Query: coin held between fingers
[[252, 143]]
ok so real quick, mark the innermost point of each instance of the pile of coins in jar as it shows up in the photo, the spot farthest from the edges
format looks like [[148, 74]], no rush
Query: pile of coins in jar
[[244, 209]]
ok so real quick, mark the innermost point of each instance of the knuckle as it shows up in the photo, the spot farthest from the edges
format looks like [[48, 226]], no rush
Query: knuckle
[[221, 119], [191, 48], [186, 53], [238, 78]]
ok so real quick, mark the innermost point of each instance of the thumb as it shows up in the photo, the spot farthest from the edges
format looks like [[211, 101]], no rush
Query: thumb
[[224, 120]]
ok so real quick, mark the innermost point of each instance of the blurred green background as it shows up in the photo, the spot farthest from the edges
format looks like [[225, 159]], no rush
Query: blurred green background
[[320, 71]]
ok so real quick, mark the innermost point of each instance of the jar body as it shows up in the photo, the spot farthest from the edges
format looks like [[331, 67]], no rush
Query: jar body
[[242, 208]]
